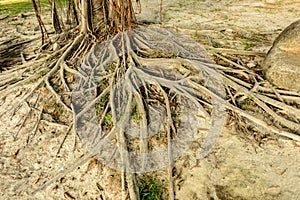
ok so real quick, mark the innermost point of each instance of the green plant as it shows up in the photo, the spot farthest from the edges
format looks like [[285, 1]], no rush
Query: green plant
[[175, 114], [54, 109], [248, 46], [103, 84], [107, 118], [214, 43], [250, 41], [42, 73], [103, 101], [158, 54], [248, 103], [19, 7], [135, 114], [150, 189]]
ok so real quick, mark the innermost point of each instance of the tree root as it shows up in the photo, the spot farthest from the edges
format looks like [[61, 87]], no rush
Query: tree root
[[144, 70], [129, 57], [170, 157], [54, 67]]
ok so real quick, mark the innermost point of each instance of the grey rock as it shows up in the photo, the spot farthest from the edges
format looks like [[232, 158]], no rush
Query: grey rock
[[282, 63]]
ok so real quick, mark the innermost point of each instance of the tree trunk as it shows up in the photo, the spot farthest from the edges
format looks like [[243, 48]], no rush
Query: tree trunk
[[55, 18], [117, 15], [85, 16], [72, 13], [41, 24]]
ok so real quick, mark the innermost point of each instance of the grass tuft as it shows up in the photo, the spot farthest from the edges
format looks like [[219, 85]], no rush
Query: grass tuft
[[150, 189]]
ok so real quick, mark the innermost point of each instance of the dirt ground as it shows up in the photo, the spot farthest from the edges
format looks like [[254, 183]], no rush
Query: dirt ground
[[238, 167]]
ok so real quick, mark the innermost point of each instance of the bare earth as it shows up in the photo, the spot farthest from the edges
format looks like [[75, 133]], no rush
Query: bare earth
[[237, 168]]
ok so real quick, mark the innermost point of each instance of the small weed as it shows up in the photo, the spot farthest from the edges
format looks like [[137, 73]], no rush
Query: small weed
[[248, 46], [42, 73], [54, 109], [175, 114], [247, 103], [98, 110], [158, 54], [249, 42], [103, 84], [214, 43], [107, 118], [196, 34], [103, 101], [150, 189], [173, 55], [30, 81], [135, 115], [161, 54], [100, 107]]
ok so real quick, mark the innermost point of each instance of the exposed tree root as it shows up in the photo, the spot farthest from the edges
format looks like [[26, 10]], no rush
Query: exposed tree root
[[170, 154], [138, 80], [44, 78], [146, 82]]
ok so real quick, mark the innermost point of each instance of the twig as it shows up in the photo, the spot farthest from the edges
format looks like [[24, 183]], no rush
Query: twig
[[37, 123], [5, 17], [80, 161], [63, 141], [231, 70], [231, 62], [281, 92], [230, 94], [251, 117], [22, 125], [286, 98]]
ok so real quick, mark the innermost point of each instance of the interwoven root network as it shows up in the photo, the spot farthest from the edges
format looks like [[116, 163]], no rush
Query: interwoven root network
[[140, 99]]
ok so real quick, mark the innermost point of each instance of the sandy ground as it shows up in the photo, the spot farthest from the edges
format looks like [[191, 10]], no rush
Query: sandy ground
[[237, 168]]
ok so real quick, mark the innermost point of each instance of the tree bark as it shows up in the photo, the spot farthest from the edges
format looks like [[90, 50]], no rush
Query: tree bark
[[41, 24], [85, 16], [72, 13], [116, 14], [55, 18]]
